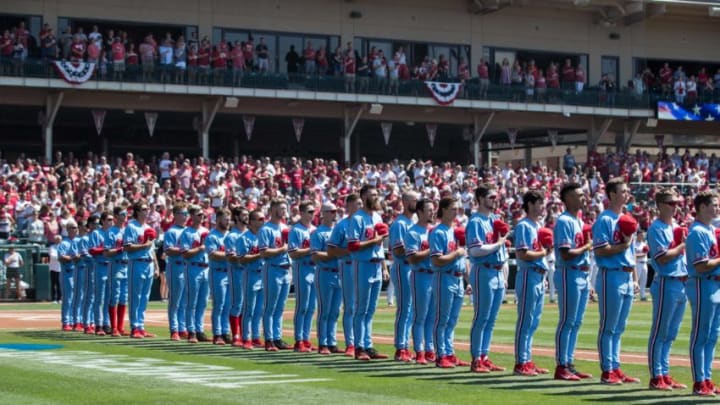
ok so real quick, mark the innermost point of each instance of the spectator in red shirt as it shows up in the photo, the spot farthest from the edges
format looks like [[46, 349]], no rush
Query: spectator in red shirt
[[349, 68], [238, 63], [484, 77], [568, 75]]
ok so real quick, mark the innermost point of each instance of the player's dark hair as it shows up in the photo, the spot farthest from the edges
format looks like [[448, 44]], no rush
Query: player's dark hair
[[613, 184], [420, 205], [304, 205], [531, 197], [137, 207], [483, 190], [567, 189], [703, 198], [365, 189], [445, 203], [351, 198]]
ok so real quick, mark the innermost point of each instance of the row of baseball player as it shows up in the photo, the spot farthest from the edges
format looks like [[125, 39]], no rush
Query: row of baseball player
[[246, 270]]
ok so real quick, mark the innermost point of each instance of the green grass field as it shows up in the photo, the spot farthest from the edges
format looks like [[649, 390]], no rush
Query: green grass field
[[104, 370]]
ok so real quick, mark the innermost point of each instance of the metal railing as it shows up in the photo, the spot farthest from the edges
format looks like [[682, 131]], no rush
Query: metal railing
[[473, 89]]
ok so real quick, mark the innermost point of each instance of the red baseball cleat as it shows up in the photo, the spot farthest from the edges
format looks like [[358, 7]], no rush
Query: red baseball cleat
[[403, 355], [674, 384], [420, 358], [99, 331], [237, 342], [445, 362], [490, 365], [248, 345], [116, 333], [563, 373], [525, 369], [324, 350], [538, 369], [192, 338], [477, 366], [458, 362], [257, 343], [175, 336], [67, 328], [625, 378], [659, 384], [430, 356], [218, 340], [350, 351], [183, 335], [580, 374], [137, 334], [610, 378], [711, 386], [147, 334], [701, 389], [79, 327]]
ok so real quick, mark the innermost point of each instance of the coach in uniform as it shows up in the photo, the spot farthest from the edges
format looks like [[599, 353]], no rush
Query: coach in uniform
[[118, 275]]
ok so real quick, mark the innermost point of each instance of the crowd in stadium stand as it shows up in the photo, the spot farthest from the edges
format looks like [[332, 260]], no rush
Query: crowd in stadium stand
[[196, 60], [39, 197]]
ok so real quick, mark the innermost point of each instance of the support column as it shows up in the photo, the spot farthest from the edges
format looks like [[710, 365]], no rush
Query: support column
[[480, 125], [351, 118], [596, 132], [105, 145], [528, 156], [209, 109], [630, 130], [52, 105]]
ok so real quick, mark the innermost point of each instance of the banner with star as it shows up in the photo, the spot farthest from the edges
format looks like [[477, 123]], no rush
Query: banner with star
[[699, 112], [74, 72], [444, 93]]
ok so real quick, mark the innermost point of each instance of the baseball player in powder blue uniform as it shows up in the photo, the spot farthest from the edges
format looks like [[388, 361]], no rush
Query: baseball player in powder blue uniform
[[118, 275], [488, 254], [368, 257], [448, 292], [529, 282], [274, 251], [400, 276], [139, 248], [89, 263], [572, 274], [175, 273], [327, 282], [337, 247], [102, 244], [248, 255], [219, 280], [417, 251], [616, 282], [192, 244], [668, 290], [68, 255], [235, 273], [703, 290], [303, 277], [79, 282]]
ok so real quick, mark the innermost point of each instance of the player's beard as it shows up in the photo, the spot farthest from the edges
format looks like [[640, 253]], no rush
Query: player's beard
[[372, 204]]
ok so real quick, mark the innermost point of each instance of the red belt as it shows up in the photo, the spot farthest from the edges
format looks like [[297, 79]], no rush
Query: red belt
[[627, 269], [581, 268]]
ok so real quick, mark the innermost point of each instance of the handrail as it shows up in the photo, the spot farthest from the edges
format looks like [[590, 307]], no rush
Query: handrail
[[473, 89]]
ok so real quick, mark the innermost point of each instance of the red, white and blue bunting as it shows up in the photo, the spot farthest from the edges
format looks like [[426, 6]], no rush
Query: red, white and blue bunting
[[75, 72], [444, 93]]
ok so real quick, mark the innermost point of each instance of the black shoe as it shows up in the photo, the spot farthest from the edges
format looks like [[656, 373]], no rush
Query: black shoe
[[107, 330], [375, 355], [334, 349], [280, 344], [202, 337], [228, 340]]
